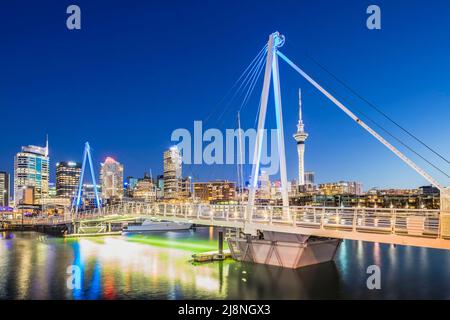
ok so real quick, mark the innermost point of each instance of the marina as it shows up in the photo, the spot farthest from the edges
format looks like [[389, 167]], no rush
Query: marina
[[160, 266]]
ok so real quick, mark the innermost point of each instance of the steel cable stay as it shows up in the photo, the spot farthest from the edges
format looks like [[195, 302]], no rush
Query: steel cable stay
[[244, 73], [372, 105], [243, 84], [408, 161], [364, 115], [247, 85], [249, 91], [240, 162]]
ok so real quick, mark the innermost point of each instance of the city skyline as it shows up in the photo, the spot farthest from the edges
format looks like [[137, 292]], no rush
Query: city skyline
[[224, 156], [131, 120]]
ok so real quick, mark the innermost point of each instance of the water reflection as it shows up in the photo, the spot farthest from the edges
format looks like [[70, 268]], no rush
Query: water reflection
[[33, 266]]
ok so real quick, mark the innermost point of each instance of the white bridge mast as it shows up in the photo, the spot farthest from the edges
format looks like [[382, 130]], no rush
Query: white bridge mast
[[276, 40]]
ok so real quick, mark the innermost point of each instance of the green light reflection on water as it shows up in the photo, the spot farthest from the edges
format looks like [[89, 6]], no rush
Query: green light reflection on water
[[191, 244]]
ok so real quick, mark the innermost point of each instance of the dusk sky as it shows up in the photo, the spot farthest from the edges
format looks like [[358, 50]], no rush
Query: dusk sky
[[137, 70]]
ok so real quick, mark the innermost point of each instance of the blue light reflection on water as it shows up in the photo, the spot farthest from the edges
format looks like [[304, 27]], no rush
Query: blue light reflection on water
[[118, 268]]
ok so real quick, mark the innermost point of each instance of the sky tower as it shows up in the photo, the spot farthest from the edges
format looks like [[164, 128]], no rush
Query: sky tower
[[300, 136]]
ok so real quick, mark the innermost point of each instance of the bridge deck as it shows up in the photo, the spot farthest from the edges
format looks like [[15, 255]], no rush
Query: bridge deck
[[423, 228]]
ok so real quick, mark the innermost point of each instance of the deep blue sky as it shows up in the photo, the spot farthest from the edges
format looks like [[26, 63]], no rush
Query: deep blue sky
[[140, 69]]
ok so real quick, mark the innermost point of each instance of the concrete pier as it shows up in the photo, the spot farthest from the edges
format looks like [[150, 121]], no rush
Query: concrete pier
[[283, 249]]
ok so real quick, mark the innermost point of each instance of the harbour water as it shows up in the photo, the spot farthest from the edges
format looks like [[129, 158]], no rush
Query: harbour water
[[159, 266]]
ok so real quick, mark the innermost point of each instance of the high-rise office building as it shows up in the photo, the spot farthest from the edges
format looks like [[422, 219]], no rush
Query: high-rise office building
[[160, 186], [129, 185], [309, 178], [67, 178], [31, 170], [309, 185], [341, 187], [111, 179], [264, 185], [4, 189], [172, 173], [300, 136], [215, 191], [89, 200], [185, 188]]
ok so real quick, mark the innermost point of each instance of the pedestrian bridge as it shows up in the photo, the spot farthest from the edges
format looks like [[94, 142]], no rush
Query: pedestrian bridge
[[412, 227]]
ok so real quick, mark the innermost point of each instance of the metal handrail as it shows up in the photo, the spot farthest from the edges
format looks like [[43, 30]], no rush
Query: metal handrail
[[417, 222]]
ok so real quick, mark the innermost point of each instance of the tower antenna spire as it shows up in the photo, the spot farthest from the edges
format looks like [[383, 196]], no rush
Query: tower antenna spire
[[299, 104], [300, 136], [46, 145]]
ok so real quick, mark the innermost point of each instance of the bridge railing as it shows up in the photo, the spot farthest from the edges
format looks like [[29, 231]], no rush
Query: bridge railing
[[413, 222]]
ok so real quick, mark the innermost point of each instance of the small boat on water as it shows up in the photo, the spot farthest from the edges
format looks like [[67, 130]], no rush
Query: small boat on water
[[152, 225]]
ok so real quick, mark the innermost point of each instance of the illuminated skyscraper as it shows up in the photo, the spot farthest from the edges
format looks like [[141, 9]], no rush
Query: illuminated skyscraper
[[129, 185], [111, 179], [172, 173], [67, 178], [145, 189], [300, 136], [4, 189], [89, 199], [264, 185], [215, 191], [31, 171]]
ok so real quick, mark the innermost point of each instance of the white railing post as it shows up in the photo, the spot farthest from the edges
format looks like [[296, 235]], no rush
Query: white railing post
[[294, 218], [322, 218], [393, 220]]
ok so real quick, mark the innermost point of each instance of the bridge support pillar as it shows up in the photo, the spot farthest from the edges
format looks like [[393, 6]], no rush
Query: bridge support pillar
[[445, 213], [284, 249], [220, 242]]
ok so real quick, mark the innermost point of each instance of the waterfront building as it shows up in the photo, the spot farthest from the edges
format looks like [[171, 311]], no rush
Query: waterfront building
[[67, 179], [51, 190], [31, 170], [88, 192], [309, 185], [341, 187], [160, 186], [215, 191], [185, 188], [264, 190], [429, 190], [300, 137], [111, 179], [26, 196], [172, 173], [145, 189], [129, 185], [309, 177], [4, 189], [374, 198]]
